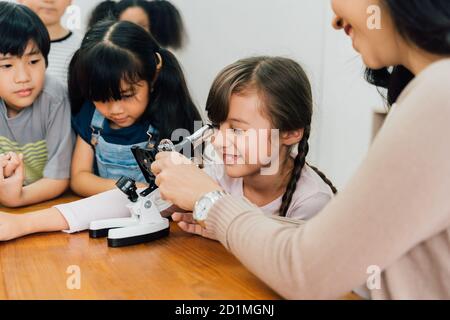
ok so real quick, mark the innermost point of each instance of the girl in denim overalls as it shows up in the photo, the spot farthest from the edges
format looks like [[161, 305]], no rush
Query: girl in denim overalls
[[124, 90]]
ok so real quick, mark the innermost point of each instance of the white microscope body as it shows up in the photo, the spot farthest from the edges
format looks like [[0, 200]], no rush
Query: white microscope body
[[145, 223]]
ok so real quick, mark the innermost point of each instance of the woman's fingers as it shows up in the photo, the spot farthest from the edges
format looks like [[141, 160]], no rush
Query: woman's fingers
[[158, 181], [186, 217], [183, 226], [191, 228], [164, 160], [160, 162], [156, 168], [162, 155], [187, 224]]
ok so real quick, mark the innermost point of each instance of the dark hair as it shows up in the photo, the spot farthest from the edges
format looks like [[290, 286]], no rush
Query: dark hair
[[425, 24], [286, 92], [105, 10], [114, 51], [18, 26], [166, 24]]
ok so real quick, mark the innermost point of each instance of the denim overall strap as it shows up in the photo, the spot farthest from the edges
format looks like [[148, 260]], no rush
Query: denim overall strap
[[97, 126], [153, 134]]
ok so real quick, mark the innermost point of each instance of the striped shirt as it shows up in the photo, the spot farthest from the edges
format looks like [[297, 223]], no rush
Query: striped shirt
[[42, 133], [61, 52]]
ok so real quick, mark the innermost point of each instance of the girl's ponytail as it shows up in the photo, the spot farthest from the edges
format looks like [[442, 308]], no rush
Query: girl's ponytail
[[299, 163], [171, 104], [324, 178]]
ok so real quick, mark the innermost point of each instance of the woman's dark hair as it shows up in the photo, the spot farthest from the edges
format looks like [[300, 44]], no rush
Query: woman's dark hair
[[166, 24], [423, 23], [286, 93], [18, 26], [105, 10], [112, 52]]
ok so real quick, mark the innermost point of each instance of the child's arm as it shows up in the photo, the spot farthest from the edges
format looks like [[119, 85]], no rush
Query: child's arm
[[17, 225], [43, 190], [84, 182], [71, 217]]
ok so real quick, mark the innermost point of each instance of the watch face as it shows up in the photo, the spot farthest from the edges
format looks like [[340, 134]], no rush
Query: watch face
[[201, 211]]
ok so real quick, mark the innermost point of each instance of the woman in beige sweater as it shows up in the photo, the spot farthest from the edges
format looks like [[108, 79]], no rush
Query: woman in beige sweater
[[394, 214]]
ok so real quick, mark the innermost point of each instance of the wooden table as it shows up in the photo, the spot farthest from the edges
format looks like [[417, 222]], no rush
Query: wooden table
[[180, 266]]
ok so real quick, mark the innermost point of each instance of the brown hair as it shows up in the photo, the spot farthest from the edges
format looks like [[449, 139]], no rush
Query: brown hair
[[287, 95]]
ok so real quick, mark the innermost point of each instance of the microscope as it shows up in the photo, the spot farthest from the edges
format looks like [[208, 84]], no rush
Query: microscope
[[145, 223]]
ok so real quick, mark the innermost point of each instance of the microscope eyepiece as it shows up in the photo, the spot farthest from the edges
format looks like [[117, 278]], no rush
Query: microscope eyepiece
[[128, 186]]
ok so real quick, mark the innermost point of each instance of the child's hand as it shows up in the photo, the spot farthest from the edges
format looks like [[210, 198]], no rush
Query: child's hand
[[11, 187], [9, 162], [187, 223], [12, 226]]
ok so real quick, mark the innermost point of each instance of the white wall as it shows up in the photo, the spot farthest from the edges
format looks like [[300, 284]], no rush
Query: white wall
[[345, 107], [222, 31]]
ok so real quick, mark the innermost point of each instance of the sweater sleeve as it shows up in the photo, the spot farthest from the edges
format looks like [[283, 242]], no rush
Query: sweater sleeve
[[397, 199]]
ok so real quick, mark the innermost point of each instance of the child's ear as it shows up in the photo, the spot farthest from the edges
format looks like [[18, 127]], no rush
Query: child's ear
[[290, 138]]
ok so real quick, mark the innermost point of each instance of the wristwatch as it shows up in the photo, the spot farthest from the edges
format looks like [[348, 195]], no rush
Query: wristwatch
[[204, 204]]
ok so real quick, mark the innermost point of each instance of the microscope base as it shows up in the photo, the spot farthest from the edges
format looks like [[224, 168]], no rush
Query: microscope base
[[139, 233], [117, 243], [100, 228]]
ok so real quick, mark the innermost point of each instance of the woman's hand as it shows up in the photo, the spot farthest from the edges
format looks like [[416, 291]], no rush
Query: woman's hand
[[180, 181], [187, 223]]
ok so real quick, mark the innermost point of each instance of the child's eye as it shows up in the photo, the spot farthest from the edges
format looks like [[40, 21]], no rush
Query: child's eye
[[35, 61], [238, 131], [6, 66]]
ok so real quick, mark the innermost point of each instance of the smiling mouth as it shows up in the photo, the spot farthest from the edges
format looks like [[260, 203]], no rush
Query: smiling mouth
[[348, 29]]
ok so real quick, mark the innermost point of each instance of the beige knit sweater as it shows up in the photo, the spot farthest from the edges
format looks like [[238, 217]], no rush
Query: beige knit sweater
[[394, 214]]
